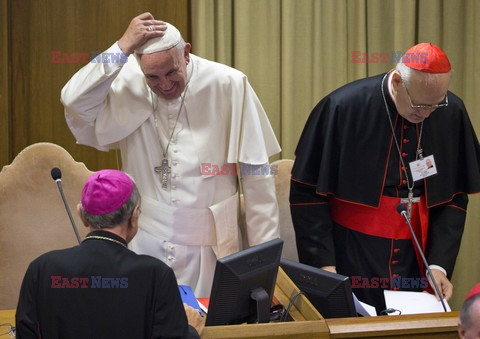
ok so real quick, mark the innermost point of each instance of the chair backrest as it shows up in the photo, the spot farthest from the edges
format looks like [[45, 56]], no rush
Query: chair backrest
[[33, 219], [282, 186]]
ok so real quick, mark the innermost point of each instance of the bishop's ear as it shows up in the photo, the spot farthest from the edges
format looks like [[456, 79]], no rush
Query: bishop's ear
[[135, 215]]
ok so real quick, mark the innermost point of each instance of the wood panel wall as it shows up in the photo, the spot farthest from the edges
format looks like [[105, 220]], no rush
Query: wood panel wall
[[30, 83], [4, 93]]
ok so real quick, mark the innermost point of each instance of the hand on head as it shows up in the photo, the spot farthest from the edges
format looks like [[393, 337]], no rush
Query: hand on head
[[141, 29]]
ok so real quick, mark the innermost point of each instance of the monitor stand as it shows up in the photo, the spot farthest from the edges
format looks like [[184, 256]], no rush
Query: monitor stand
[[263, 308]]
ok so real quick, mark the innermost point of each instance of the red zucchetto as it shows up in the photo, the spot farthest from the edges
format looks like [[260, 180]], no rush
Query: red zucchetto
[[473, 292], [426, 57]]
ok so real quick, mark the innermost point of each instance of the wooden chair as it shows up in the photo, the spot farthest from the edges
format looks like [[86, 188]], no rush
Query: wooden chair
[[33, 219]]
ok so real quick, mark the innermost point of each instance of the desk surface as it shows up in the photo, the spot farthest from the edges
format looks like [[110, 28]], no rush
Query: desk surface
[[431, 325], [6, 317]]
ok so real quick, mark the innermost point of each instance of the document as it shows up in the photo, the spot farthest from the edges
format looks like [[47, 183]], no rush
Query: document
[[414, 302], [364, 309], [188, 297]]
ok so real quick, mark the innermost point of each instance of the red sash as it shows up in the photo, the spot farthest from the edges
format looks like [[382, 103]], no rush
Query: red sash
[[383, 221]]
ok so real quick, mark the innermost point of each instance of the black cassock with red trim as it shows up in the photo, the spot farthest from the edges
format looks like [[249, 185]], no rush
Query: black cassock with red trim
[[347, 158]]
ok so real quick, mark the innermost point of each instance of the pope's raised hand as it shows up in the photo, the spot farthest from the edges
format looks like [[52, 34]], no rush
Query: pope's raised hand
[[140, 29]]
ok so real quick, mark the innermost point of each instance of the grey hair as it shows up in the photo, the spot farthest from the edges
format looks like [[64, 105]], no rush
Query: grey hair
[[181, 46], [465, 317], [407, 73], [114, 218]]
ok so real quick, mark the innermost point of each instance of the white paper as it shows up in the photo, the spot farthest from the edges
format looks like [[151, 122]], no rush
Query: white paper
[[203, 307], [364, 309], [414, 302]]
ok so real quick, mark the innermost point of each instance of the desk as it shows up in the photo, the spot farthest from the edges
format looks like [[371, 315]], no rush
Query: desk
[[308, 323], [6, 316], [432, 325]]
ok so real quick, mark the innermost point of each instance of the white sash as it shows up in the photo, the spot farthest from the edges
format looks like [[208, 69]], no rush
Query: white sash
[[215, 226]]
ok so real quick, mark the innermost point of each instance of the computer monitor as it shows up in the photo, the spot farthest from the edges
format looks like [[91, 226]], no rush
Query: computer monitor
[[243, 285], [330, 293]]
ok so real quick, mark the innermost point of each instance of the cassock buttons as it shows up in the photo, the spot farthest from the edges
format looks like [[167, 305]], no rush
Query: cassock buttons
[[404, 154], [396, 250], [404, 182], [394, 262], [405, 141]]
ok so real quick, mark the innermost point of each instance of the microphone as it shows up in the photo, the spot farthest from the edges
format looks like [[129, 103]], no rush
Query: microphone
[[57, 176], [401, 209]]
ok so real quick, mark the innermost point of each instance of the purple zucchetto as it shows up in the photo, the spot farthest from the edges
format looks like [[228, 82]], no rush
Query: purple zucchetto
[[106, 191]]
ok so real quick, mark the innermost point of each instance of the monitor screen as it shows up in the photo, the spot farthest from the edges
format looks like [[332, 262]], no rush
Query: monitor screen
[[243, 285], [330, 293]]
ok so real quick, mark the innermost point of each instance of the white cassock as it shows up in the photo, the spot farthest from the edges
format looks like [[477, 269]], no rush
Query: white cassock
[[195, 220]]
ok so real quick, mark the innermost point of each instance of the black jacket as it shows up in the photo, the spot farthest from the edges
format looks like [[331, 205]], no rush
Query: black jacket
[[100, 289]]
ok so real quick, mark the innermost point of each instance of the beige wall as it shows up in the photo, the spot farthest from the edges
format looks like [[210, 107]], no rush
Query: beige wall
[[30, 84]]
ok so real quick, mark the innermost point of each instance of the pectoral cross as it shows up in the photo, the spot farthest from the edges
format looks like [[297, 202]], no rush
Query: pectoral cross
[[164, 171], [409, 201]]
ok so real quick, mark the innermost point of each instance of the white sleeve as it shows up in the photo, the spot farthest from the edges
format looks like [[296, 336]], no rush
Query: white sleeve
[[436, 267], [261, 206], [85, 94]]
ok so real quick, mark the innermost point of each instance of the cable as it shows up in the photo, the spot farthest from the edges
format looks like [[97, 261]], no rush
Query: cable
[[390, 310], [292, 301]]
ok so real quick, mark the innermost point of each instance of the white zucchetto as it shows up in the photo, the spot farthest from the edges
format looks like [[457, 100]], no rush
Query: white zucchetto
[[171, 38]]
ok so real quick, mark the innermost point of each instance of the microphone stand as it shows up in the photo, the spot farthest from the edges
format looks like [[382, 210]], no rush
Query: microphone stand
[[429, 272], [59, 184]]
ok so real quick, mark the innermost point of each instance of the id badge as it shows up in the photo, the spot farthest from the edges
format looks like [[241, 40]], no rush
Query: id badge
[[423, 168]]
